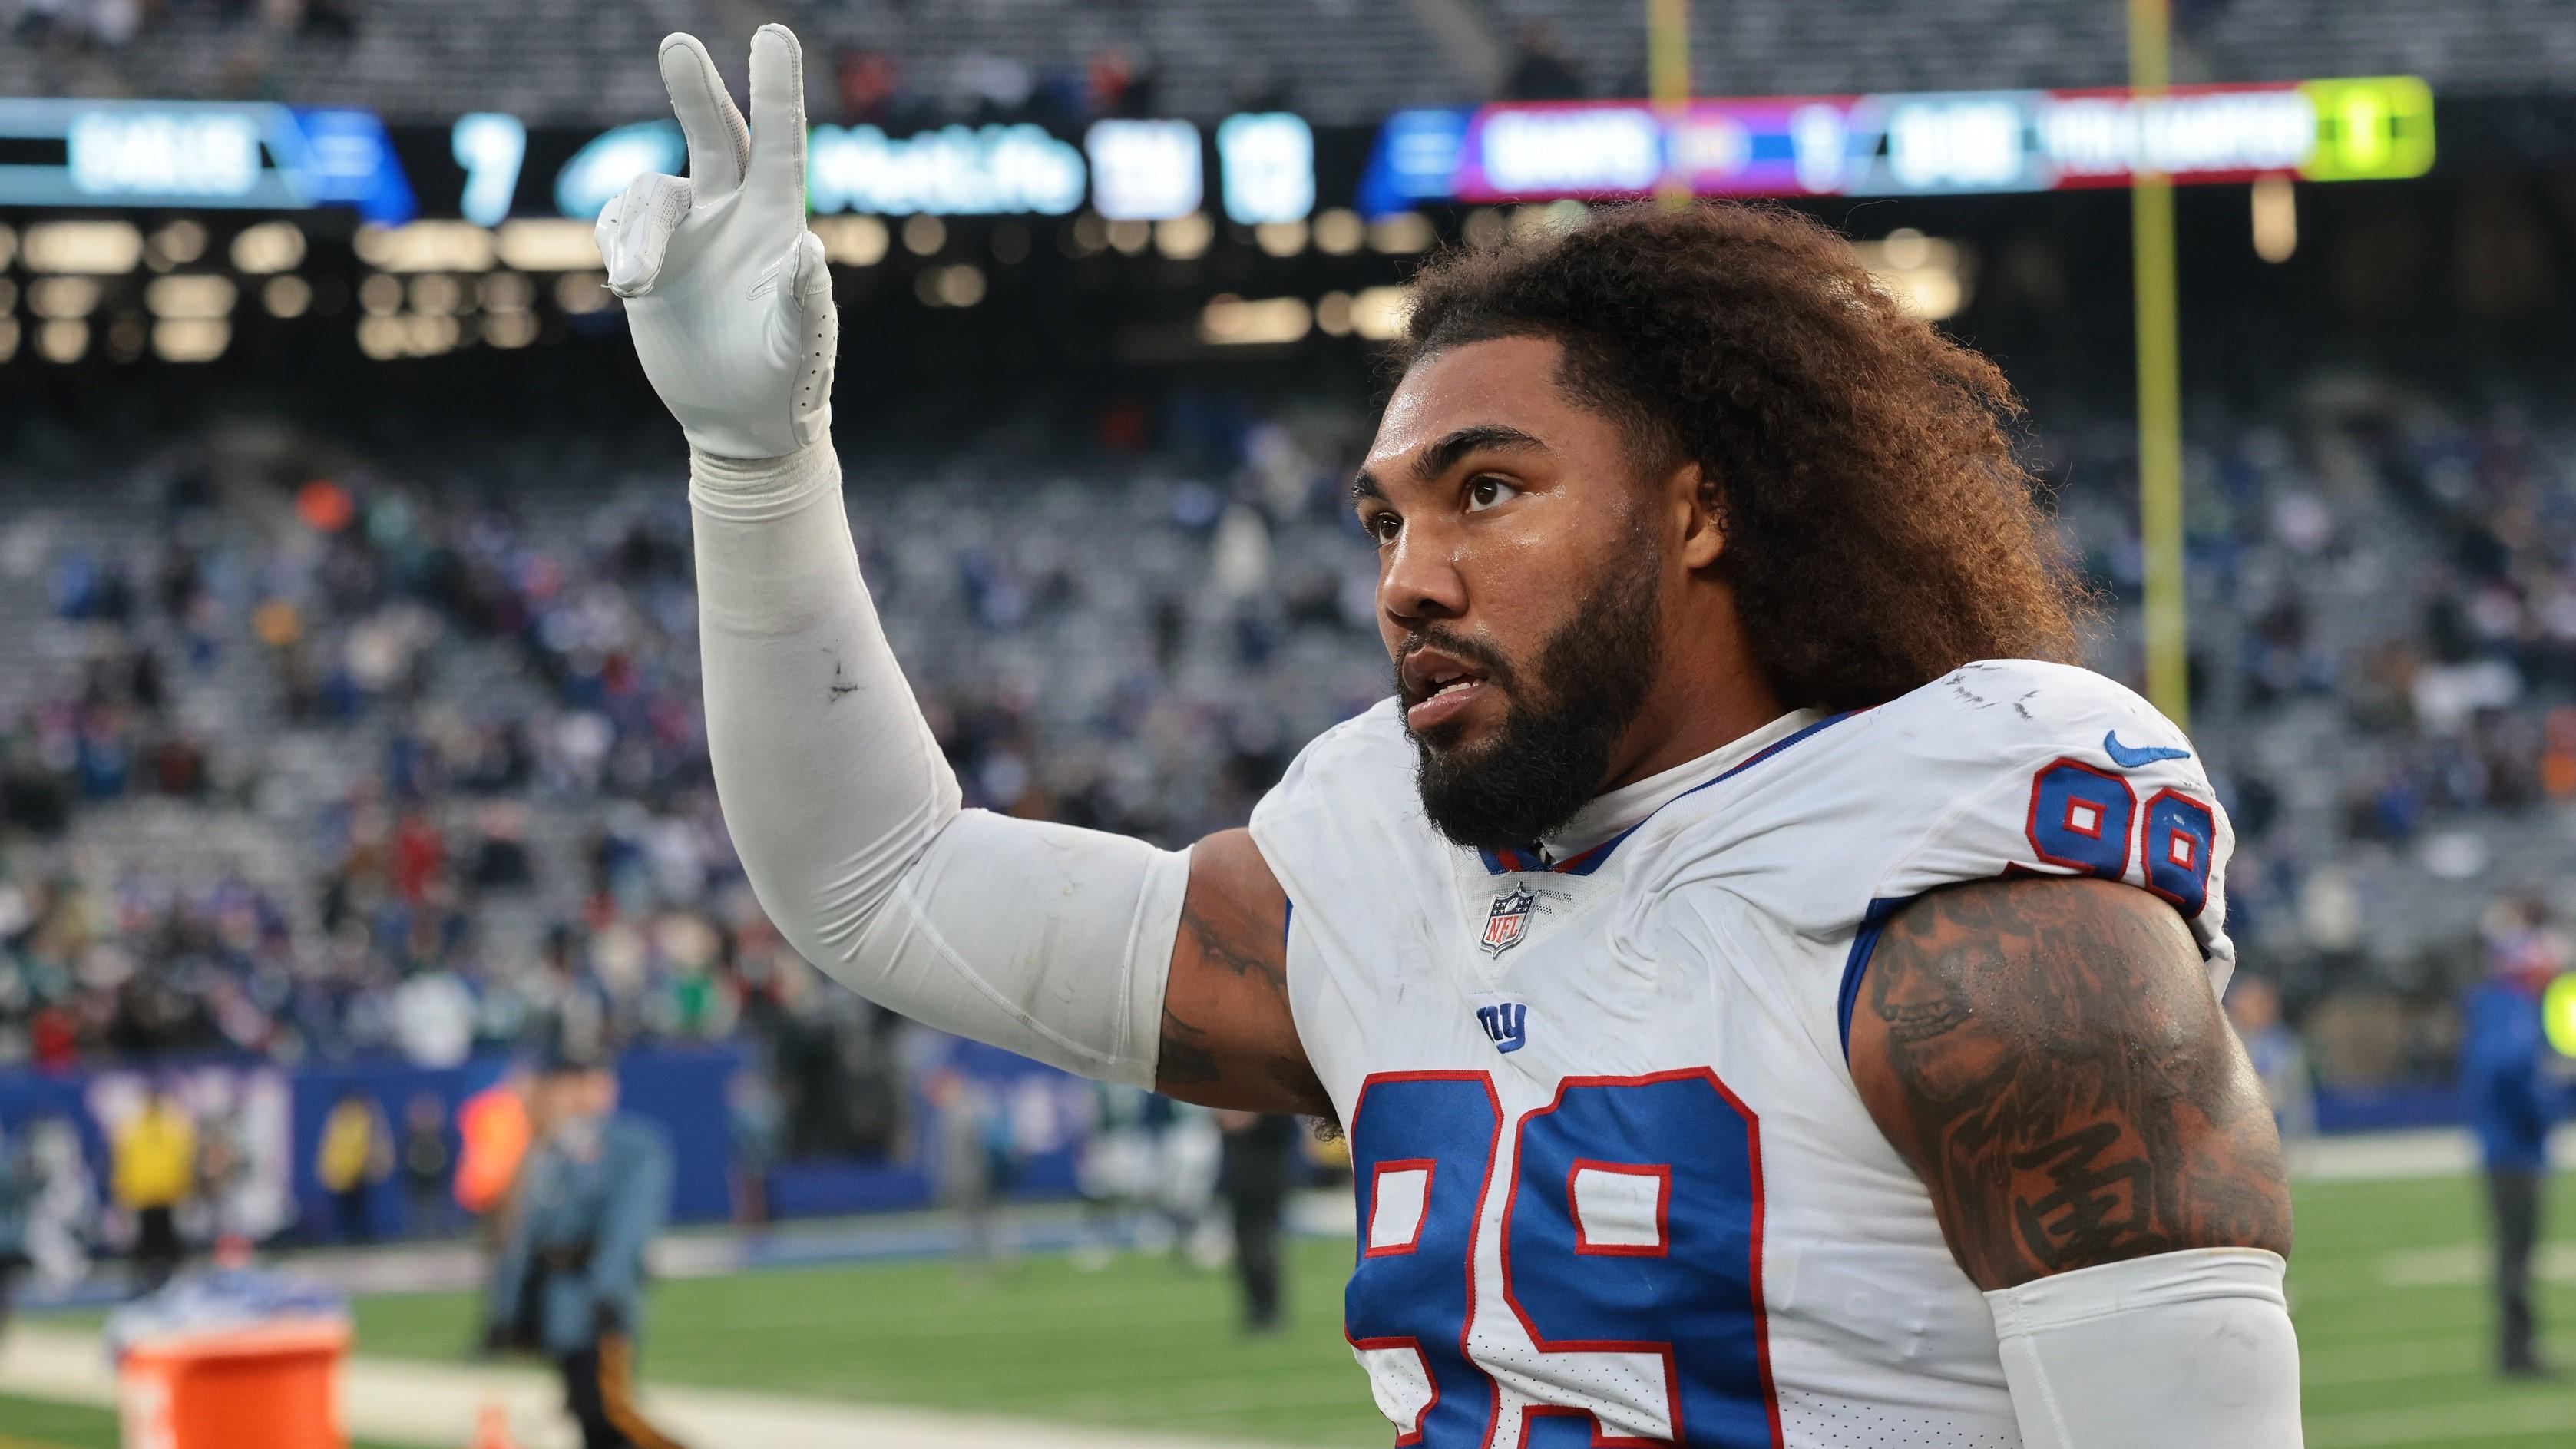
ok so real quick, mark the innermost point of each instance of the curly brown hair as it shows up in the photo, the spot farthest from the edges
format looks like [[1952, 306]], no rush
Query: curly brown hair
[[1879, 529]]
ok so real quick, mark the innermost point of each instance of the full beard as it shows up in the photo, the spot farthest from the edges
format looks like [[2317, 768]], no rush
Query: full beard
[[1553, 750]]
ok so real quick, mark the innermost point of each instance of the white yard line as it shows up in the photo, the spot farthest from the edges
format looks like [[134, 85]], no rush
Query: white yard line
[[2441, 1423], [2461, 1264], [2374, 1156], [402, 1401]]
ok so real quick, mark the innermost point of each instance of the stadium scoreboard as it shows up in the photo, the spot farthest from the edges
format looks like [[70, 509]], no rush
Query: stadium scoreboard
[[1924, 144], [1258, 167]]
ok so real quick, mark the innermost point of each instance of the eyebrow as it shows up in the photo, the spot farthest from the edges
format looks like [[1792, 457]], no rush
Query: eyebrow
[[1443, 455]]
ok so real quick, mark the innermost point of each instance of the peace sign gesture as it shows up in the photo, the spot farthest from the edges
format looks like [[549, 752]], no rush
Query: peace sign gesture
[[726, 291]]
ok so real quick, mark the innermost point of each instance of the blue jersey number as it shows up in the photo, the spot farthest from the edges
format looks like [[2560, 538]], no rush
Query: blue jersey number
[[1631, 1257], [2084, 819]]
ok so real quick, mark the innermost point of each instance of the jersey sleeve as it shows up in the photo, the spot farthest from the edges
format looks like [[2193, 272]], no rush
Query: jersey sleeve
[[2046, 770], [1342, 805]]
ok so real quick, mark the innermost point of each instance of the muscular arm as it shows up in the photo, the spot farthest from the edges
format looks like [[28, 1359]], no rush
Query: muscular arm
[[1228, 1038], [2049, 1057], [1094, 952], [1055, 942]]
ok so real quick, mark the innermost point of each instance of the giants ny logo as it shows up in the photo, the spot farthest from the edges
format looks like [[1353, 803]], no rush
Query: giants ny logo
[[1507, 1025]]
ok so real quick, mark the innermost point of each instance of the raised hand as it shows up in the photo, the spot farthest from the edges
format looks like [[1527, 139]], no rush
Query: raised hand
[[726, 291]]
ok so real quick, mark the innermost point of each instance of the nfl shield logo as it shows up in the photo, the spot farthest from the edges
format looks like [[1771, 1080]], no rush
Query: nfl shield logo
[[1506, 922]]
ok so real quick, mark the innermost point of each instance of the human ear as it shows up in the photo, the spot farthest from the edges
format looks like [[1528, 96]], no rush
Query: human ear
[[1694, 496]]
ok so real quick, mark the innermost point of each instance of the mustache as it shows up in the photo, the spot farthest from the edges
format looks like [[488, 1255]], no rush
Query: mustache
[[1497, 669]]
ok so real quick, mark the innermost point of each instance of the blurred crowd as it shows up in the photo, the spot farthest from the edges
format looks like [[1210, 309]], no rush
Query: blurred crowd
[[373, 764], [65, 28]]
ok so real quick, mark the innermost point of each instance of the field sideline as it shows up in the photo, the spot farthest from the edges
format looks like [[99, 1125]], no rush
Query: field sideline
[[2387, 1285]]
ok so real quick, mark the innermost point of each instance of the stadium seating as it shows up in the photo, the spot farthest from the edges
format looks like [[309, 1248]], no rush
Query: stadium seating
[[470, 682], [1347, 61]]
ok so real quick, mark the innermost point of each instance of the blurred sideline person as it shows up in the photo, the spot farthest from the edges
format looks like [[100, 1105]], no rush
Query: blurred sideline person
[[493, 1127], [569, 1282], [1741, 876], [2504, 1067], [425, 1163], [21, 1183], [1114, 1172], [1254, 1180], [356, 1154], [977, 1167], [153, 1173], [2279, 1058], [62, 1222], [757, 1124]]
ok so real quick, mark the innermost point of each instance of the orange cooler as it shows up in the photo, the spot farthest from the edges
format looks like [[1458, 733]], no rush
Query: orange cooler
[[272, 1385]]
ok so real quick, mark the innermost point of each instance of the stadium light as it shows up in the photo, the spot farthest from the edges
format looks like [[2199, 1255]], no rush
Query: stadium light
[[1010, 243], [381, 338], [380, 295], [509, 329], [1281, 238], [428, 336], [958, 286], [8, 338], [436, 294], [125, 338], [547, 244], [89, 248], [2276, 218], [923, 236], [583, 293], [506, 292], [1404, 232], [1926, 275], [1339, 232], [286, 297], [1184, 238], [62, 299], [856, 241], [1379, 313], [8, 245], [191, 339], [426, 246], [193, 298], [63, 340], [1333, 314], [1229, 320], [269, 246], [175, 245]]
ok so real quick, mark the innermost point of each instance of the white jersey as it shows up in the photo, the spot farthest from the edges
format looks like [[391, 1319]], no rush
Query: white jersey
[[1615, 1183]]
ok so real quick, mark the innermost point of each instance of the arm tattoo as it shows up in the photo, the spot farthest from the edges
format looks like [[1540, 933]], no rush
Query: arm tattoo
[[2049, 1056], [1229, 1039]]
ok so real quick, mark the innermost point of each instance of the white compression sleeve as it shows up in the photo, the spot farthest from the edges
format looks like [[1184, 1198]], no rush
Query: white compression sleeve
[[2191, 1347], [1049, 941]]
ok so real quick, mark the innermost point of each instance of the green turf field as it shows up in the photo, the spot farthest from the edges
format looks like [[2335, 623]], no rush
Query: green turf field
[[34, 1424], [2387, 1285]]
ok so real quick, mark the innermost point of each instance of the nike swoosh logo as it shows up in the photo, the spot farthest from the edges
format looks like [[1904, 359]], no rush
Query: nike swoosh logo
[[2130, 759]]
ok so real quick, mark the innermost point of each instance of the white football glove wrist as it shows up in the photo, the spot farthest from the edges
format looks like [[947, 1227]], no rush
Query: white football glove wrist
[[726, 290]]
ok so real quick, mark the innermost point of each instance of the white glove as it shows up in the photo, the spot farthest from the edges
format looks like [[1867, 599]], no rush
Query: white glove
[[725, 287]]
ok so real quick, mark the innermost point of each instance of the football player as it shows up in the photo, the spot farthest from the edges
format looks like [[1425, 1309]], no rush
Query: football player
[[1772, 998]]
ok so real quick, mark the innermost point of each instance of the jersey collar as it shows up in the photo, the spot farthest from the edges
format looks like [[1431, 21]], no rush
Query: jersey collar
[[1585, 841]]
